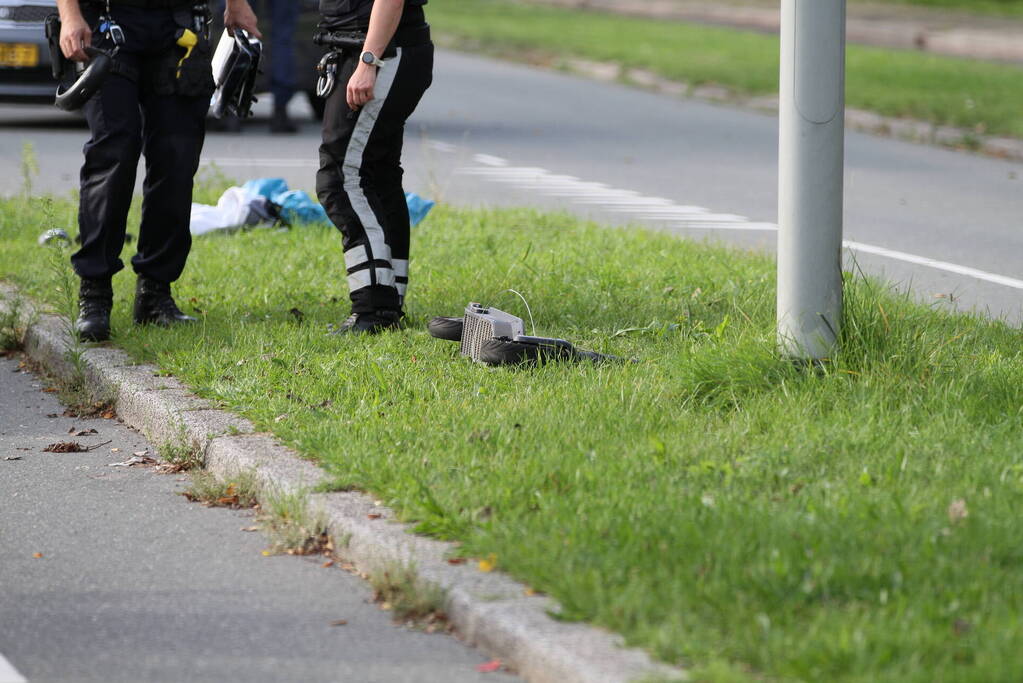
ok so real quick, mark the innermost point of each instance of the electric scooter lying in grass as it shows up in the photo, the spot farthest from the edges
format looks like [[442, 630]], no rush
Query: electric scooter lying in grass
[[493, 337]]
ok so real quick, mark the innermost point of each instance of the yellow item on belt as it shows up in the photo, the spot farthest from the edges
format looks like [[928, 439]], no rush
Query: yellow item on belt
[[187, 40]]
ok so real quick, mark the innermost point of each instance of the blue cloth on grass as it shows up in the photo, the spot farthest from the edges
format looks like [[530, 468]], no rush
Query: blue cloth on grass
[[299, 207]]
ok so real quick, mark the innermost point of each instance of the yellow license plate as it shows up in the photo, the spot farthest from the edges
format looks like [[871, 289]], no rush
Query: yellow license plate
[[19, 54]]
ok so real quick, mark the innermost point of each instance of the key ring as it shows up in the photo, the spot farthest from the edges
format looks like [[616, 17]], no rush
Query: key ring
[[111, 29]]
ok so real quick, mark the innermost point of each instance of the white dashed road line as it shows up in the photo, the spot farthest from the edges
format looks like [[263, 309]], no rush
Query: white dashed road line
[[659, 209], [8, 674], [260, 163]]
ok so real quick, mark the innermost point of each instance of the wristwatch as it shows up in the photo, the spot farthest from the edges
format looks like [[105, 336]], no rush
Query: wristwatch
[[369, 58]]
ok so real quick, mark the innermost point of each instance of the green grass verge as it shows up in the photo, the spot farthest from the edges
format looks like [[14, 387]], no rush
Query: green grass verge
[[997, 7], [984, 97], [714, 504]]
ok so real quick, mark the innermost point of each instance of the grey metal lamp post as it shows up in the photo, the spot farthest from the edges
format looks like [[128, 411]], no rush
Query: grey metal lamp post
[[810, 183]]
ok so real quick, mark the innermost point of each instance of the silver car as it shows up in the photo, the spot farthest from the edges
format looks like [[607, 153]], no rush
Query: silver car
[[25, 71]]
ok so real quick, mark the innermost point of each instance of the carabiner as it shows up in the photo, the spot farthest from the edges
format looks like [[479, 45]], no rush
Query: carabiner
[[327, 68]]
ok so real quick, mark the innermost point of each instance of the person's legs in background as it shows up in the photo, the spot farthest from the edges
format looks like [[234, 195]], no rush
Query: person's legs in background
[[283, 18]]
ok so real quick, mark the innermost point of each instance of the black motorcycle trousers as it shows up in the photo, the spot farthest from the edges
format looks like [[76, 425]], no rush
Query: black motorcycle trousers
[[359, 181], [129, 117]]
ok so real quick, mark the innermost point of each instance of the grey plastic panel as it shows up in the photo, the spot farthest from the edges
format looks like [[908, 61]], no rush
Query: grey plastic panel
[[819, 94]]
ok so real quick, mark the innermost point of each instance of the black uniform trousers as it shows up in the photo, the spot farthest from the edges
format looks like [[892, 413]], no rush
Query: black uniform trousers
[[359, 181], [128, 117]]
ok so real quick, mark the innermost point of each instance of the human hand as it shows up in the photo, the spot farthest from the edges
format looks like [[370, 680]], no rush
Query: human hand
[[239, 14], [360, 85], [75, 34]]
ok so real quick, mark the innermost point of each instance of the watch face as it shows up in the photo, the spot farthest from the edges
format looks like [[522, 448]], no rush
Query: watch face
[[367, 57]]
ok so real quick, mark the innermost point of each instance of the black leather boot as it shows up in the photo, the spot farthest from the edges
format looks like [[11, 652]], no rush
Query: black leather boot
[[369, 323], [155, 306], [95, 299]]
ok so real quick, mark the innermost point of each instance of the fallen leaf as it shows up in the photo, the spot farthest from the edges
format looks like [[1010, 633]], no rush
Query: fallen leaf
[[250, 528], [51, 415], [50, 390], [81, 432], [12, 457], [488, 564], [328, 563], [139, 454], [374, 515], [339, 622], [529, 592], [281, 418], [456, 560], [143, 460], [65, 447], [489, 667], [267, 553], [115, 450], [38, 556], [108, 414]]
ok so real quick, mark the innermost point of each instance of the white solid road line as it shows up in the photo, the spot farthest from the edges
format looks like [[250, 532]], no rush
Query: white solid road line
[[599, 195], [933, 263], [8, 674]]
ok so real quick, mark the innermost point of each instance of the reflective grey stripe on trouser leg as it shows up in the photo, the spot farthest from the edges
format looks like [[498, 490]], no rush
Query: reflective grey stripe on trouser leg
[[400, 276], [357, 259], [360, 274]]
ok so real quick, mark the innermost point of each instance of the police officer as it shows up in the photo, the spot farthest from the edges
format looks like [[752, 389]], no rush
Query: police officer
[[359, 181], [153, 103]]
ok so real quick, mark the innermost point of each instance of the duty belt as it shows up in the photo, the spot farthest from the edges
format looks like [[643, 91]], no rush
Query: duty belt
[[352, 41]]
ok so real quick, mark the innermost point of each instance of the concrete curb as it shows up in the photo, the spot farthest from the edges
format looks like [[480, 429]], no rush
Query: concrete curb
[[488, 610]]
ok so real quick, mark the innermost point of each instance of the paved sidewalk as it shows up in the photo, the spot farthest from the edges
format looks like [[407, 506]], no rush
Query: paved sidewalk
[[946, 32], [134, 583]]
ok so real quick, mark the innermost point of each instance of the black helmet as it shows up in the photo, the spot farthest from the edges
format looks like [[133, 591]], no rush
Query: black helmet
[[88, 81], [235, 65]]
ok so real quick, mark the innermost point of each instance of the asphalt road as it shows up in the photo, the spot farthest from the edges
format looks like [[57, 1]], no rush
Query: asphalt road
[[912, 204], [107, 574]]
